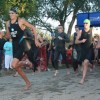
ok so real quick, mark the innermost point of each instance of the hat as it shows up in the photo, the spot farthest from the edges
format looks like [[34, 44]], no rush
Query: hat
[[14, 9], [87, 21]]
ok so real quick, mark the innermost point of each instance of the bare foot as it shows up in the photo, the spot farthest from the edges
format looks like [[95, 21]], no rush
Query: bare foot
[[16, 74], [91, 69], [76, 73], [56, 72], [33, 73], [27, 87], [31, 65], [82, 81], [82, 69], [68, 72], [39, 69]]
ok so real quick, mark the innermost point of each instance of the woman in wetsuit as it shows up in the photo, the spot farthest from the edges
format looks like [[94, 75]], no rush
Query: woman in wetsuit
[[87, 53], [15, 29]]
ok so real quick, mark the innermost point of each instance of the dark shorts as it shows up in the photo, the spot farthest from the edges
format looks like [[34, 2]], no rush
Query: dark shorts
[[18, 49], [18, 53], [88, 54]]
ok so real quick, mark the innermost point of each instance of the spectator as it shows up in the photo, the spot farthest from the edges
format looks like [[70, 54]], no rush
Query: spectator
[[8, 54], [2, 42]]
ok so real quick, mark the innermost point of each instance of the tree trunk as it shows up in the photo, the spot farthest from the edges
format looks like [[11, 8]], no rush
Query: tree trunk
[[61, 22], [71, 25]]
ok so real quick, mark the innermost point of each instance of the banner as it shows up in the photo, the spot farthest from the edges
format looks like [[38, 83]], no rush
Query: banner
[[94, 18]]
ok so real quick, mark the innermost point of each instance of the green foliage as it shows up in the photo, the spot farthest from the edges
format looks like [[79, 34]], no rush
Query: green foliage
[[58, 10], [27, 8], [36, 10]]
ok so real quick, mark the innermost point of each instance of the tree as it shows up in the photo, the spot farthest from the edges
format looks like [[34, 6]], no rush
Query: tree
[[78, 5], [91, 6], [26, 8], [59, 10], [39, 11], [54, 9]]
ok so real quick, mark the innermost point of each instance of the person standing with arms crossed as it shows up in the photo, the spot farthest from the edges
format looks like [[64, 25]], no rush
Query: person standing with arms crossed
[[15, 29]]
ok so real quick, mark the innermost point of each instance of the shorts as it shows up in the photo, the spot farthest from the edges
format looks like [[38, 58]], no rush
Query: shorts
[[18, 54], [88, 54]]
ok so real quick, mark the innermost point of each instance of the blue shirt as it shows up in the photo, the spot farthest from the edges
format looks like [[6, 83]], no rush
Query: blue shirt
[[8, 48]]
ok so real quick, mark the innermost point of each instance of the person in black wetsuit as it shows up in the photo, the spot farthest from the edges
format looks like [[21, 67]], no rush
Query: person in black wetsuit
[[75, 46], [34, 51], [87, 53], [60, 39], [15, 29], [2, 42]]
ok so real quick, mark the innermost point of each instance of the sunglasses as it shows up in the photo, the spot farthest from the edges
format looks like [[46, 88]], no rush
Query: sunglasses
[[85, 23], [11, 13]]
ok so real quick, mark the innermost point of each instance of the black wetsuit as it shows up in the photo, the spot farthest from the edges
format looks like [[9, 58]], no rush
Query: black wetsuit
[[2, 42], [75, 46], [87, 51], [34, 51], [60, 49], [16, 35]]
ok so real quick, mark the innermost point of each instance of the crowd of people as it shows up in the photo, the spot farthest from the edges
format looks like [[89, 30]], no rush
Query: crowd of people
[[23, 47]]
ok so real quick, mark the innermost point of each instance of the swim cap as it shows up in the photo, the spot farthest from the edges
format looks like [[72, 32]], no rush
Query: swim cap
[[14, 9], [87, 21]]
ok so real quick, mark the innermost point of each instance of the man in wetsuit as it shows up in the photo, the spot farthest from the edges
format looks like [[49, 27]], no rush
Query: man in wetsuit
[[60, 39], [34, 50]]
